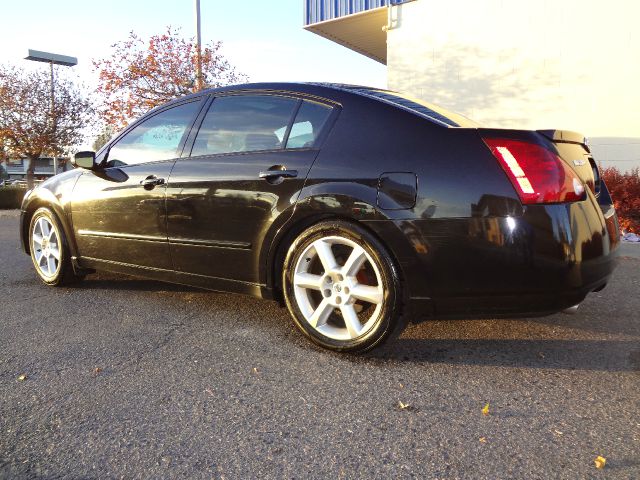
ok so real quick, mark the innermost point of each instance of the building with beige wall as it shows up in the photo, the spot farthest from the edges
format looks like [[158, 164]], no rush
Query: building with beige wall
[[546, 64]]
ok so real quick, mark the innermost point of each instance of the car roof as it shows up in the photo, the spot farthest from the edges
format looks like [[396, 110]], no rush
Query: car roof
[[433, 113]]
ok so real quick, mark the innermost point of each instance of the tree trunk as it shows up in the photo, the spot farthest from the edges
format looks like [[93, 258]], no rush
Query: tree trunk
[[31, 172]]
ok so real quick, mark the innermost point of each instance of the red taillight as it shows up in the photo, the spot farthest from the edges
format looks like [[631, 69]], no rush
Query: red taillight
[[538, 174]]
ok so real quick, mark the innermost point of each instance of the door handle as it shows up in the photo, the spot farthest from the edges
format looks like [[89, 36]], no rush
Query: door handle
[[151, 181], [270, 174]]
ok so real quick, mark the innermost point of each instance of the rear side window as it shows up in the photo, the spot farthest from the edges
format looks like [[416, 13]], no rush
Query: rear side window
[[308, 124], [244, 124], [425, 109], [156, 138]]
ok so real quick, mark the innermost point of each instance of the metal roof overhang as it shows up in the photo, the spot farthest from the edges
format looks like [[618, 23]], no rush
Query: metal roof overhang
[[362, 32]]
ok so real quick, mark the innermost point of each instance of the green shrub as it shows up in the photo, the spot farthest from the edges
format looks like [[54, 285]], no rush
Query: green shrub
[[11, 197]]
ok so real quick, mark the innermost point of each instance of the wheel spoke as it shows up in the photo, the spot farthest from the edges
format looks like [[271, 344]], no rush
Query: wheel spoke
[[321, 314], [55, 253], [38, 254], [355, 261], [37, 239], [307, 280], [44, 228], [367, 293], [51, 265], [351, 320], [325, 254]]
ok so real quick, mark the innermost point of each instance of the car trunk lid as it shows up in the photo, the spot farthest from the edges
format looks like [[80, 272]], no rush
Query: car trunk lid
[[573, 149]]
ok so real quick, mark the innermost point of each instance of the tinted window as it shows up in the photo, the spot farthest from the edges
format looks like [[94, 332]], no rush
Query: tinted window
[[244, 124], [157, 138], [308, 124], [421, 107]]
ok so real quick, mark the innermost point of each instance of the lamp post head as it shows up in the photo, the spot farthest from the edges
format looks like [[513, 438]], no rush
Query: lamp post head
[[52, 58]]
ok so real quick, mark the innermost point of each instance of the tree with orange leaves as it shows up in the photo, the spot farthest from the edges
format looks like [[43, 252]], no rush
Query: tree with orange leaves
[[625, 192], [142, 74], [28, 127]]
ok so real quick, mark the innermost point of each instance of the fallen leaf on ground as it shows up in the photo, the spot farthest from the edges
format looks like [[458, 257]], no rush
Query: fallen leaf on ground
[[22, 378], [403, 406], [483, 440], [600, 461], [485, 410], [255, 370], [558, 432], [96, 371]]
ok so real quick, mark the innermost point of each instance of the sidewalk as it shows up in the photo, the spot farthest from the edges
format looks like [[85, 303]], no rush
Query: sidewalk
[[630, 250]]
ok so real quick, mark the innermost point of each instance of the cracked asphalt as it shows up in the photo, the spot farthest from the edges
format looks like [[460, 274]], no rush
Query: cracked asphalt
[[129, 378]]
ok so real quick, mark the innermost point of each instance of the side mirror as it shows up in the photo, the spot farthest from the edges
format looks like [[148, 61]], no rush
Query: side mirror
[[85, 160]]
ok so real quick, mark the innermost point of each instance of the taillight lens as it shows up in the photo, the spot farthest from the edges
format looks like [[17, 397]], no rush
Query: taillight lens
[[538, 174]]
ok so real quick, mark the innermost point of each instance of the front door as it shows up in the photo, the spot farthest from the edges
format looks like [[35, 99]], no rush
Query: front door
[[247, 166], [118, 209]]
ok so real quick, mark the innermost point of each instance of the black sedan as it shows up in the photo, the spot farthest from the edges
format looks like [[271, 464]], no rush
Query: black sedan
[[356, 207]]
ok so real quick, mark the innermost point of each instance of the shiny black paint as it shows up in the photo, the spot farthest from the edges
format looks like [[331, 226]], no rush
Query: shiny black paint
[[464, 243], [219, 209], [117, 219]]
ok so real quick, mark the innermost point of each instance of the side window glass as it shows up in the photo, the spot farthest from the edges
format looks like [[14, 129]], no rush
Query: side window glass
[[155, 139], [244, 124], [308, 124]]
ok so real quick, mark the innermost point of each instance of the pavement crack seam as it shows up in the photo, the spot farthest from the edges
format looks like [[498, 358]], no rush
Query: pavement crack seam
[[164, 341]]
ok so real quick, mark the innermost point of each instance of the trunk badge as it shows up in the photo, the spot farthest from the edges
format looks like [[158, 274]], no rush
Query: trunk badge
[[579, 163]]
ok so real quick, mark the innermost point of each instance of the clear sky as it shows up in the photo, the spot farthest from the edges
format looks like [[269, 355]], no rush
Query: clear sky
[[263, 39]]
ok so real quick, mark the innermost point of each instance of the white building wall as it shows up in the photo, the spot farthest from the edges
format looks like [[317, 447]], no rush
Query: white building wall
[[565, 64]]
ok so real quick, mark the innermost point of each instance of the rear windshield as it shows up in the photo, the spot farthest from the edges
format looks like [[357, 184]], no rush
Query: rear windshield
[[426, 109]]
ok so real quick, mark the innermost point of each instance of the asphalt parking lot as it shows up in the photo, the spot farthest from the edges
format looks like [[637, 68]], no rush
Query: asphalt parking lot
[[130, 378]]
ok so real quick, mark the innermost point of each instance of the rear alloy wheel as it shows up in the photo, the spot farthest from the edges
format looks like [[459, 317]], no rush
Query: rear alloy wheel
[[341, 287], [49, 250]]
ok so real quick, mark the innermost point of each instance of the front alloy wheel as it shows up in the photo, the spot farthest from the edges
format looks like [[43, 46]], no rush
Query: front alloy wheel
[[45, 245], [341, 287], [49, 249]]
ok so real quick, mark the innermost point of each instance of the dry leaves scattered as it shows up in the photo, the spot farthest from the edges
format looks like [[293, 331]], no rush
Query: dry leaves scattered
[[600, 462]]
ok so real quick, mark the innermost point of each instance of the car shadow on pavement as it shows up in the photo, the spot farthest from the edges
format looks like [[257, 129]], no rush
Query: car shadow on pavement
[[521, 343], [593, 355], [133, 284]]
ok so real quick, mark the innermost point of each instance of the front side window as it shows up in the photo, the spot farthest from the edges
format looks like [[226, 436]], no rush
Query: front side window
[[156, 138], [244, 124]]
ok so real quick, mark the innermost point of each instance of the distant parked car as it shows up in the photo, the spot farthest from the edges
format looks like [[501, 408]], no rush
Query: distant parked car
[[358, 208]]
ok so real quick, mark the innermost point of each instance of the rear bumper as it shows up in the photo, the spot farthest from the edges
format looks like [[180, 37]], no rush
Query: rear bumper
[[543, 261]]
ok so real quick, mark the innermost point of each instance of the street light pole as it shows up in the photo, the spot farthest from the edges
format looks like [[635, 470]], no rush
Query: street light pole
[[53, 115], [52, 59], [199, 80]]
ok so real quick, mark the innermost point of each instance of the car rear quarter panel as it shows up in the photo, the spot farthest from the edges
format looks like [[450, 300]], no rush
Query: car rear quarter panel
[[468, 235], [457, 178]]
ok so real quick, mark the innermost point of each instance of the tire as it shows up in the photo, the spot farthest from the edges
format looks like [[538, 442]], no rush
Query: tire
[[342, 288], [50, 250]]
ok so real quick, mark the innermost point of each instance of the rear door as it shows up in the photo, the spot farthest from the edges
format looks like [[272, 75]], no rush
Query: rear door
[[118, 210], [248, 164]]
